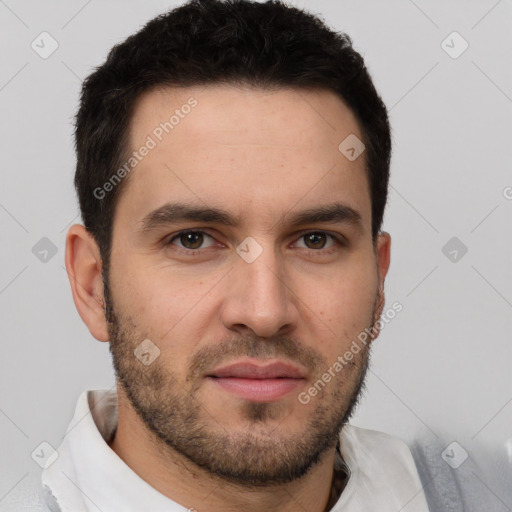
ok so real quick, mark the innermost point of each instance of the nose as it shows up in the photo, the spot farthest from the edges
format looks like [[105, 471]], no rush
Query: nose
[[260, 297]]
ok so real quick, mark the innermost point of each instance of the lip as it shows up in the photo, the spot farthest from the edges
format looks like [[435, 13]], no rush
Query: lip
[[250, 370], [258, 383]]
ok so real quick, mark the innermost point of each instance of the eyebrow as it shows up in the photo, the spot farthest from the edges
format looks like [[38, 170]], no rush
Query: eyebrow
[[172, 213]]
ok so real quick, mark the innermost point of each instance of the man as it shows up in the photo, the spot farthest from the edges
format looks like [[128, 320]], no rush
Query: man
[[233, 163]]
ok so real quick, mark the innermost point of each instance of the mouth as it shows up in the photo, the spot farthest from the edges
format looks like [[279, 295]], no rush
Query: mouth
[[258, 383]]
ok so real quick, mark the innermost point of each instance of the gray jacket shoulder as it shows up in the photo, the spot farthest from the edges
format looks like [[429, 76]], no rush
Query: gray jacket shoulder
[[27, 496], [466, 484]]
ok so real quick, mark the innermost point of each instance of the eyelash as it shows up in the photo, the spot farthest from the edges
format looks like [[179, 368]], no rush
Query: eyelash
[[338, 239]]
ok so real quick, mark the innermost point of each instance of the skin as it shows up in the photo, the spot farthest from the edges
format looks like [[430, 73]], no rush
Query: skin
[[258, 154]]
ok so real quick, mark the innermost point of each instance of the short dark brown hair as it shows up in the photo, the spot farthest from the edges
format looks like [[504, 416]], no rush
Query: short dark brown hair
[[206, 42]]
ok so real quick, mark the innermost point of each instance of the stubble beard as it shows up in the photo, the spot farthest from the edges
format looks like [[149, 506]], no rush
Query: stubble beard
[[256, 456]]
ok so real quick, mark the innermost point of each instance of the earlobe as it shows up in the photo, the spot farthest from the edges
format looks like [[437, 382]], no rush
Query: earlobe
[[83, 265]]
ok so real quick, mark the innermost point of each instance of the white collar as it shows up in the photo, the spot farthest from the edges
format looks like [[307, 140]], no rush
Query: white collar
[[88, 476]]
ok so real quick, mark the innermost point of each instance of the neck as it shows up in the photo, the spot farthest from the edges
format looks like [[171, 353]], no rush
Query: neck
[[176, 477]]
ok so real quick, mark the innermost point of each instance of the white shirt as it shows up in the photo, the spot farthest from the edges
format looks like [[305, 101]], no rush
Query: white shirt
[[88, 476]]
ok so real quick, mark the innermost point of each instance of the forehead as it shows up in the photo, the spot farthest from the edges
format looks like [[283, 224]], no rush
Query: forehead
[[247, 149], [228, 114]]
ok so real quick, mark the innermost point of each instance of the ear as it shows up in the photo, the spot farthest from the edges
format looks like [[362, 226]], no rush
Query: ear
[[83, 265], [383, 255]]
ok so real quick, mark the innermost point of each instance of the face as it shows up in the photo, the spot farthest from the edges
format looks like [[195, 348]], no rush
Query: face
[[242, 251]]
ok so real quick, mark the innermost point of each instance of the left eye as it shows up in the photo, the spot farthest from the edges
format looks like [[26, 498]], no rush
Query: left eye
[[316, 239]]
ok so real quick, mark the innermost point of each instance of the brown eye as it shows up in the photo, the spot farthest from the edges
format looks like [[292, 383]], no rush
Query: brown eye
[[190, 239], [320, 243], [315, 240]]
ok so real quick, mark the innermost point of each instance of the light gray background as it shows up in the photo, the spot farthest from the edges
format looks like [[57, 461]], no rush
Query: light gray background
[[441, 368]]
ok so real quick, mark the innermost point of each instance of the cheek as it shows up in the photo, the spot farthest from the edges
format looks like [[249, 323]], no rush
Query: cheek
[[164, 306], [344, 305]]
